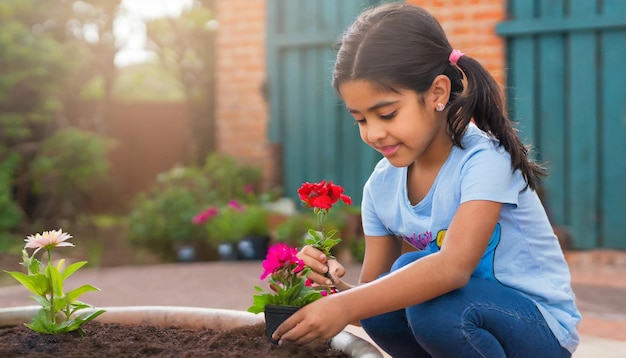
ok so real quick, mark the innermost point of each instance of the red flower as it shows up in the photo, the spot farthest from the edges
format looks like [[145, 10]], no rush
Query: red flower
[[322, 195]]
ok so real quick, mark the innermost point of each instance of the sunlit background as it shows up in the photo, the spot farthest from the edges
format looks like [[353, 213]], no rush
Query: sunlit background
[[130, 26]]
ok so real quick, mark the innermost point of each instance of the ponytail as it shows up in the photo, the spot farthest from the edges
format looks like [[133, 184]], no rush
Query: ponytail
[[482, 101]]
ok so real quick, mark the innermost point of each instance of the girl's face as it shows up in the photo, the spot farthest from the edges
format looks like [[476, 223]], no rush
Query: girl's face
[[398, 125]]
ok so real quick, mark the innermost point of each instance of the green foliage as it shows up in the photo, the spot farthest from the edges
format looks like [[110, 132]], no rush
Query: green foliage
[[233, 223], [228, 180], [287, 278], [323, 241], [293, 229], [225, 226], [161, 218], [11, 213], [255, 221], [296, 295], [67, 166], [45, 59]]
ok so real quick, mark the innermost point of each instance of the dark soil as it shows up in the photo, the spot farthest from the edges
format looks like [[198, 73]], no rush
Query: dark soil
[[114, 340]]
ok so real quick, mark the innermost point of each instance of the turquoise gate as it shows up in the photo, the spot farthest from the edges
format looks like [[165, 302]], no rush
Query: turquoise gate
[[317, 136], [567, 88]]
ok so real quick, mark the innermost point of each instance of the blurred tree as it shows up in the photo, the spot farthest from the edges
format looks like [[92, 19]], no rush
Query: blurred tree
[[32, 69], [48, 51], [185, 46], [86, 27]]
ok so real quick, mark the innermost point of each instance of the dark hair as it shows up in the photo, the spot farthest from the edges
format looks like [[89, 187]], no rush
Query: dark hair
[[397, 45]]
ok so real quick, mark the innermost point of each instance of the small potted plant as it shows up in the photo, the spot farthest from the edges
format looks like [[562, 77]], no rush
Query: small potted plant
[[255, 239], [286, 274], [224, 229]]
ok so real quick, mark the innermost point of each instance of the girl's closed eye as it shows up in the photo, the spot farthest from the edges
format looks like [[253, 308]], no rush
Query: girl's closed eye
[[388, 116]]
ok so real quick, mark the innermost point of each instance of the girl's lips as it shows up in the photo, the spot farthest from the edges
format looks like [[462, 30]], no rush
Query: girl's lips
[[389, 149]]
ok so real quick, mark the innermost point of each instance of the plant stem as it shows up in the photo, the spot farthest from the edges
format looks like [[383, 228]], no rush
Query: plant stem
[[51, 314]]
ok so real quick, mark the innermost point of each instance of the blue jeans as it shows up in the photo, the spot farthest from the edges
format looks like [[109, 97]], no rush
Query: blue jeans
[[482, 319]]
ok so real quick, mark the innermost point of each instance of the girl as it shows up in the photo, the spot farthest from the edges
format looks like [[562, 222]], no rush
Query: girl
[[487, 277]]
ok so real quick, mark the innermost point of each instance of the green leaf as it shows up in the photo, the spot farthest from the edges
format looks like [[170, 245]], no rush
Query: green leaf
[[43, 302], [77, 292], [55, 279], [60, 302], [60, 264], [73, 268], [42, 324], [37, 283], [88, 316]]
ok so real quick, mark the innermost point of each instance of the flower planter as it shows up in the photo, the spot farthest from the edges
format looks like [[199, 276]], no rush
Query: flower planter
[[190, 318], [253, 247], [228, 251]]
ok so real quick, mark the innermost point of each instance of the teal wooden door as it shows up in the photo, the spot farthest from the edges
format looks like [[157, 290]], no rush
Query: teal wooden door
[[318, 137], [567, 88]]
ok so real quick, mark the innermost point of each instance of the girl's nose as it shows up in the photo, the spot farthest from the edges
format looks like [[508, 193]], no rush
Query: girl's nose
[[376, 131]]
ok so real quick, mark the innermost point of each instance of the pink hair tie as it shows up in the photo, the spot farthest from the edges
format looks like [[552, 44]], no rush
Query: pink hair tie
[[454, 56]]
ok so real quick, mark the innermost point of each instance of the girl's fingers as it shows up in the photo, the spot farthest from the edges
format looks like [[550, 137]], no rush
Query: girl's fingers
[[320, 279], [314, 253], [336, 269], [313, 258]]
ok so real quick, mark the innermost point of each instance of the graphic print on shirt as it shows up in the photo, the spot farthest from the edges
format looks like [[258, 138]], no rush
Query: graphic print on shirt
[[485, 266], [419, 241]]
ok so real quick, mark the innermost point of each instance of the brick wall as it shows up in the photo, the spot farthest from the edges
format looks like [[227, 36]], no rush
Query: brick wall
[[242, 113]]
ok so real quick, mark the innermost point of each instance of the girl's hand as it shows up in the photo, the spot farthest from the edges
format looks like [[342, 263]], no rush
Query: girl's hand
[[321, 319], [323, 271]]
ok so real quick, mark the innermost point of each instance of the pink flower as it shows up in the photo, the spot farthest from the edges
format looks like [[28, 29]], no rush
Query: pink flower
[[280, 256], [48, 240], [205, 215], [332, 290], [234, 204]]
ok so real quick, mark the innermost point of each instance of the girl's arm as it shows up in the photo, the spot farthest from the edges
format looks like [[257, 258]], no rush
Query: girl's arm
[[380, 254], [431, 276]]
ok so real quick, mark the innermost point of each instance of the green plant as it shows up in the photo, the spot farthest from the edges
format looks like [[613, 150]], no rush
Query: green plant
[[65, 169], [293, 229], [162, 220], [286, 276], [59, 309], [226, 225], [227, 180], [255, 221], [11, 213], [163, 217]]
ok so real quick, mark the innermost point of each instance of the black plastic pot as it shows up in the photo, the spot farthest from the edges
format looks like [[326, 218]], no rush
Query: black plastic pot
[[275, 316], [253, 247]]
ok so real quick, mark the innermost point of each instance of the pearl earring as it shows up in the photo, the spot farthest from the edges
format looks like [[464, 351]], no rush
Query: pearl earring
[[440, 107]]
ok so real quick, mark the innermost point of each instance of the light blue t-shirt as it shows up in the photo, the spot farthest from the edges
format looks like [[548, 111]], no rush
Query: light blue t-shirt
[[523, 252]]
